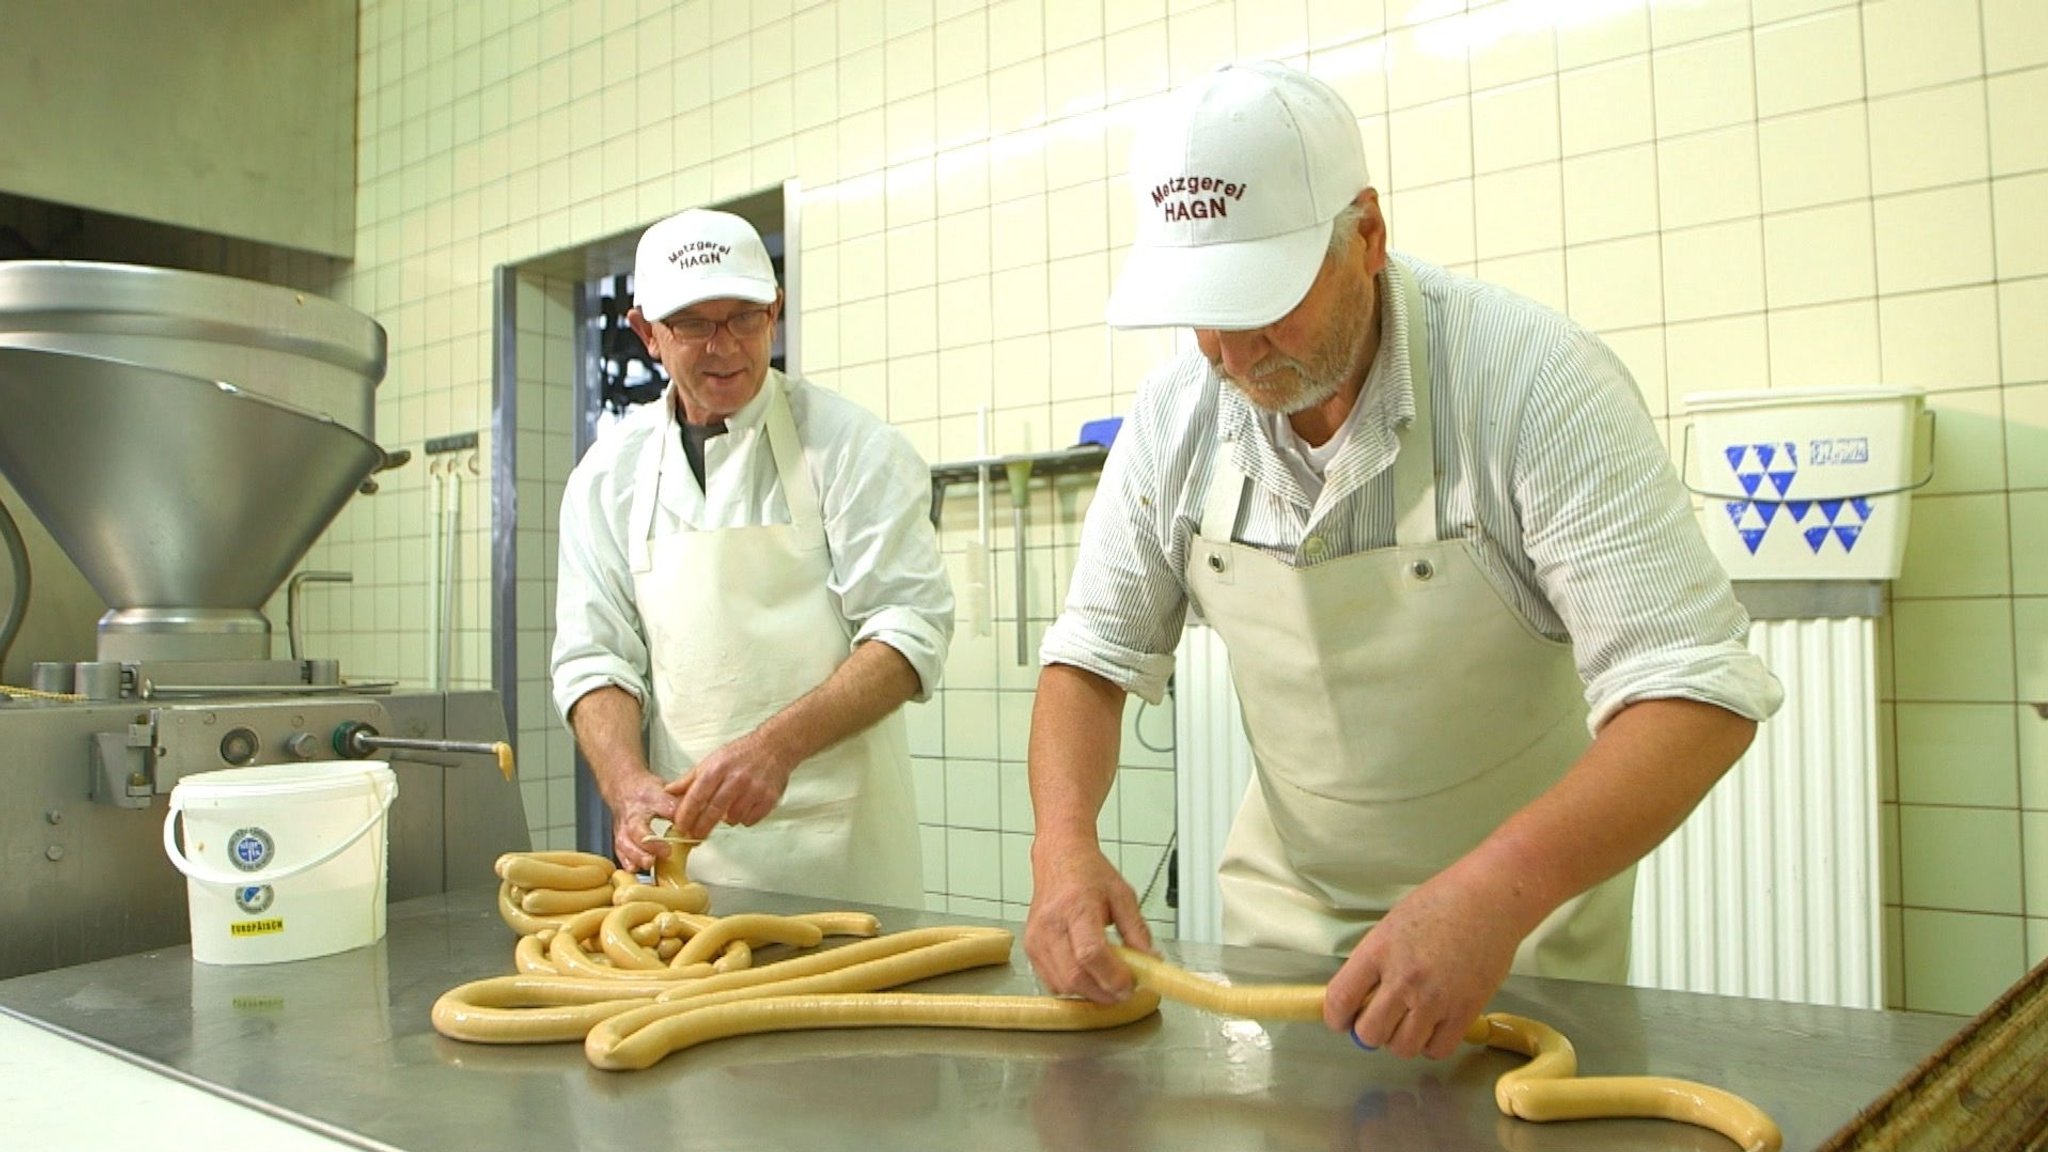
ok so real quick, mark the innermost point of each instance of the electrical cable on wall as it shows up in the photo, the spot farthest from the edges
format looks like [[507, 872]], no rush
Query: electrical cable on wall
[[1158, 870], [1138, 726], [1173, 840]]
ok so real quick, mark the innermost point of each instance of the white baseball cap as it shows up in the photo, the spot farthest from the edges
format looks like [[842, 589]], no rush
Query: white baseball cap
[[700, 255], [1236, 185]]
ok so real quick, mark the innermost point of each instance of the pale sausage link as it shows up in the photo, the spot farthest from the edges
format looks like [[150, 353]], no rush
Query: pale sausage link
[[738, 956], [842, 923], [564, 901], [529, 871], [868, 966], [530, 955], [566, 859], [700, 1023], [1543, 1089], [519, 919], [688, 898], [616, 1008], [531, 1010], [865, 966], [565, 947], [524, 1009], [570, 958], [754, 927], [619, 936], [672, 871]]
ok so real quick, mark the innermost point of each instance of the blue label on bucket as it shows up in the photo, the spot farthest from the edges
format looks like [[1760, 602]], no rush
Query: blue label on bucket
[[1764, 470], [1816, 521], [250, 848]]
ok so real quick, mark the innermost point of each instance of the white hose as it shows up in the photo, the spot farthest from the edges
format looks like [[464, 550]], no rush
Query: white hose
[[435, 600], [446, 636]]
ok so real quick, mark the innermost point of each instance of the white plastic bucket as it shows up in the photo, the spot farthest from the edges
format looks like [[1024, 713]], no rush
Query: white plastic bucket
[[282, 862], [1807, 484]]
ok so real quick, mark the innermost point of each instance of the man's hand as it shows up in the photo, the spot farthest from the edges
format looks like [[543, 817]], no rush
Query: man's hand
[[1424, 972], [1076, 892], [739, 783], [635, 802]]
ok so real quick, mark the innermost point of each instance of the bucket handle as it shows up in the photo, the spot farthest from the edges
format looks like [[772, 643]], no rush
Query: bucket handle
[[1685, 470], [196, 871]]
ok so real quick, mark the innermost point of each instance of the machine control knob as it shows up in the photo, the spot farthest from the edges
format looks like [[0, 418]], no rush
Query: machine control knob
[[239, 747], [304, 745], [347, 737]]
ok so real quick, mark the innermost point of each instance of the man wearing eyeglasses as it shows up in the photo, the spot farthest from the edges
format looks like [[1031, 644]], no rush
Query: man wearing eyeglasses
[[750, 589]]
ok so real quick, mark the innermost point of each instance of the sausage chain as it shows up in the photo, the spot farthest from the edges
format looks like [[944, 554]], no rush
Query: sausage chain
[[543, 891], [640, 978], [627, 1022], [1546, 1088]]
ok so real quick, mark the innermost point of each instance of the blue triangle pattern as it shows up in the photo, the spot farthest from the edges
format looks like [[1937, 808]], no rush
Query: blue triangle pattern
[[1752, 538], [1768, 509], [1815, 537], [1782, 481], [1862, 507], [1735, 510], [1798, 509], [1750, 482], [1735, 453], [1765, 453], [1847, 534], [1831, 509]]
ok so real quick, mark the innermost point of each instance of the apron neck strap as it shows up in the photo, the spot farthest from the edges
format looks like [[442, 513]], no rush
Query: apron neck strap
[[647, 490], [797, 490], [1224, 502], [779, 427]]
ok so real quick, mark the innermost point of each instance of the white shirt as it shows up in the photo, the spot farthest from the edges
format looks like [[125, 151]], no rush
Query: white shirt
[[874, 492], [1546, 454]]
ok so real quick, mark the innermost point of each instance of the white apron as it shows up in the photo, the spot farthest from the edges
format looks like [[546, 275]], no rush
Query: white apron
[[739, 624], [1399, 710]]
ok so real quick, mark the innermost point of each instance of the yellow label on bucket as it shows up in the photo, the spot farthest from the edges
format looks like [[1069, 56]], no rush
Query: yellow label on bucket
[[256, 927]]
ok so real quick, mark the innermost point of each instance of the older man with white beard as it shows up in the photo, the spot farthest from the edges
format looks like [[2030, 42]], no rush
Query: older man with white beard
[[1485, 659]]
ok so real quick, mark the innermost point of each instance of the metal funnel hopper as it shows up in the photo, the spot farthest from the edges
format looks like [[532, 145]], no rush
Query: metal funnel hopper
[[184, 501], [184, 438]]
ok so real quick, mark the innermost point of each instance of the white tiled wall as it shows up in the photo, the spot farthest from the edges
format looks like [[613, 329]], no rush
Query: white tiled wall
[[1736, 193]]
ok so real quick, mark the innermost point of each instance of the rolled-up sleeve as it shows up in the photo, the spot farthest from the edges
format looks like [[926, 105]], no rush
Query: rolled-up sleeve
[[886, 569], [1617, 551], [1128, 598], [598, 638]]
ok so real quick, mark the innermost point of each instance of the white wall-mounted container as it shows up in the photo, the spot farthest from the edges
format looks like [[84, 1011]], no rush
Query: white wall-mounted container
[[1808, 484]]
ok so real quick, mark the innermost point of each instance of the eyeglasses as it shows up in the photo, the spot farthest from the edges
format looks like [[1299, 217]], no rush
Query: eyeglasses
[[697, 330]]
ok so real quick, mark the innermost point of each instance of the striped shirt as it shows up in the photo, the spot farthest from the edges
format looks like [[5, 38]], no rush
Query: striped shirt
[[1545, 455]]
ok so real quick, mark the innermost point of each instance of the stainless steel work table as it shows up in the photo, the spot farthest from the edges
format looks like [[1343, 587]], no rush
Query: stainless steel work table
[[343, 1045]]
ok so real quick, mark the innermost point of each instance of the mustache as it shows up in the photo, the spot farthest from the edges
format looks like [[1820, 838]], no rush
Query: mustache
[[1270, 367]]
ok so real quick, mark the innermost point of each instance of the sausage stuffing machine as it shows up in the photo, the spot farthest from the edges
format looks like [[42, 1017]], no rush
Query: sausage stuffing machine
[[185, 438]]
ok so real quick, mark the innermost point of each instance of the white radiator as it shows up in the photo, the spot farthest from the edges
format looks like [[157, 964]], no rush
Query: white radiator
[[1770, 889], [1212, 767]]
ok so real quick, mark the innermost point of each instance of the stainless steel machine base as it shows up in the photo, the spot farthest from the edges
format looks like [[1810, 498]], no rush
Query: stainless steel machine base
[[82, 880]]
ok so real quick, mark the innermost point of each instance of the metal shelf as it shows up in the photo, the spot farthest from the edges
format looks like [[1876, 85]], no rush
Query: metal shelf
[[1080, 459]]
